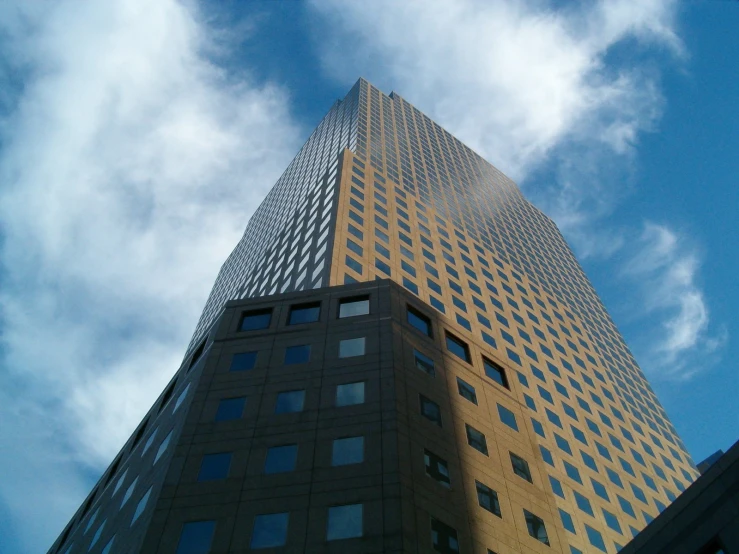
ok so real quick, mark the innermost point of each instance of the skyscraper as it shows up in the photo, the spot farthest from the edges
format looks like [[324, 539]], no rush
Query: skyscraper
[[401, 355]]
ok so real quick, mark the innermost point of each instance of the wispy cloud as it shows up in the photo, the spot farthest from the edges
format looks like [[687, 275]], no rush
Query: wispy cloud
[[664, 268], [513, 79], [130, 163]]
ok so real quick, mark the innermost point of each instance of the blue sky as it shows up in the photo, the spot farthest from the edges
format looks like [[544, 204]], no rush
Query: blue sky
[[136, 139]]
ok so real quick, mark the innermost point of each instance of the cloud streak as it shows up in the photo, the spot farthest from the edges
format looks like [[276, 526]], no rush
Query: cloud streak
[[664, 267], [130, 163]]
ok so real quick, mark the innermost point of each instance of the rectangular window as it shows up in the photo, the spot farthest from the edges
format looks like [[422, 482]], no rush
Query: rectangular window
[[304, 313], [583, 503], [270, 530], [345, 522], [437, 468], [458, 347], [230, 409], [476, 439], [419, 321], [521, 467], [595, 538], [536, 528], [507, 417], [488, 498], [196, 532], [353, 264], [572, 472], [281, 459], [466, 390], [444, 538], [290, 402], [214, 466], [255, 319], [495, 372], [350, 307], [297, 354], [350, 394], [354, 247], [556, 487], [382, 266], [612, 521], [430, 410], [424, 363], [567, 521], [350, 348], [243, 361], [348, 450]]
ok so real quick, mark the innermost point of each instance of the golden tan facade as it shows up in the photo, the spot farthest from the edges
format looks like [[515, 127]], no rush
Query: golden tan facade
[[609, 462]]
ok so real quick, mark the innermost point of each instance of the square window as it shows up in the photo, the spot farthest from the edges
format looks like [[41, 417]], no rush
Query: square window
[[304, 313], [567, 521], [346, 451], [350, 394], [349, 348], [572, 472], [437, 469], [424, 363], [476, 439], [626, 506], [600, 490], [419, 321], [350, 307], [521, 467], [466, 390], [595, 538], [458, 348], [243, 361], [214, 466], [345, 522], [612, 521], [298, 354], [255, 319], [430, 410], [444, 538], [507, 417], [556, 487], [290, 401], [488, 498], [495, 372], [583, 503], [536, 528], [196, 537], [281, 459], [230, 408], [270, 530]]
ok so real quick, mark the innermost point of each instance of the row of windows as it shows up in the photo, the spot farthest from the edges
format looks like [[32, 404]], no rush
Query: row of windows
[[299, 314], [346, 521]]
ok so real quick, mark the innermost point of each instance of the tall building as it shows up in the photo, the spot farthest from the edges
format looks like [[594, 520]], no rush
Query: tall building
[[402, 354]]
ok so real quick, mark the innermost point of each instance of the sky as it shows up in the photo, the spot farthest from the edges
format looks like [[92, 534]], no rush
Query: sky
[[137, 138]]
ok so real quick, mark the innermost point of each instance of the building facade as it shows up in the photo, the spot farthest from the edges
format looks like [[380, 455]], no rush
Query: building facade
[[534, 430]]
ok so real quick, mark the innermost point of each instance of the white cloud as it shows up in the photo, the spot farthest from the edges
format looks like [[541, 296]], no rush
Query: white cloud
[[511, 79], [130, 164], [664, 268]]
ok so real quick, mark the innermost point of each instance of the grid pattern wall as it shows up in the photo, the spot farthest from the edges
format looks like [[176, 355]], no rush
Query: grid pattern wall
[[470, 245], [284, 245]]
